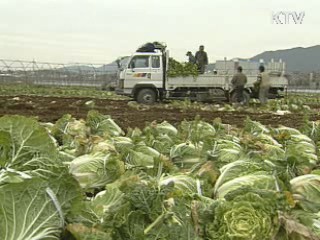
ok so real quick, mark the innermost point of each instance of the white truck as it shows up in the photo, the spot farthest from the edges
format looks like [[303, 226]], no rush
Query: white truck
[[144, 77]]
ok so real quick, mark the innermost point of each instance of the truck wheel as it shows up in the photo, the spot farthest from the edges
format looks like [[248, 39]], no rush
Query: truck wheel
[[246, 97], [146, 96]]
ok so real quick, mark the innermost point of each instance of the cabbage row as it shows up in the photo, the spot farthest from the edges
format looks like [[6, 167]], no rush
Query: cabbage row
[[88, 179]]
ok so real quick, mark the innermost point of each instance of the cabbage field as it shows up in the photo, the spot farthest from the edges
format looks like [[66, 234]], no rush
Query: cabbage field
[[83, 164], [92, 177]]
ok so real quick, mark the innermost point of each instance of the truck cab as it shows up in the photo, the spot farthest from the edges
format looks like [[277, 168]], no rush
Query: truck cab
[[144, 71]]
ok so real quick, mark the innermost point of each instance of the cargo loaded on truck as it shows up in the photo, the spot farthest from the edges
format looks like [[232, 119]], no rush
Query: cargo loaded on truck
[[145, 78]]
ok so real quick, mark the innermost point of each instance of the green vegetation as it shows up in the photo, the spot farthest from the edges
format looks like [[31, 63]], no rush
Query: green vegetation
[[177, 69], [307, 98], [55, 91], [289, 105], [198, 180]]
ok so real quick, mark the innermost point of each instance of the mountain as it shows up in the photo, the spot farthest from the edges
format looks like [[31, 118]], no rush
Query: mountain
[[78, 68], [297, 59], [110, 68], [113, 67]]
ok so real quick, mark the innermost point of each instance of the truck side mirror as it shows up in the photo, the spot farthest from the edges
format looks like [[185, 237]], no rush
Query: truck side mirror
[[132, 65], [118, 63]]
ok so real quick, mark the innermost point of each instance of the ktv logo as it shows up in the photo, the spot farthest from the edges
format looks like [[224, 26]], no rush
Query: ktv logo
[[287, 17]]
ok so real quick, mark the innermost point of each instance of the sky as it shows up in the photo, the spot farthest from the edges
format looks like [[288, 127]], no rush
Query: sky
[[99, 31]]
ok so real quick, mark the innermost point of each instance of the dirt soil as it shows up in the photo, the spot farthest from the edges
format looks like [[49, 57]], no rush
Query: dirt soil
[[50, 109]]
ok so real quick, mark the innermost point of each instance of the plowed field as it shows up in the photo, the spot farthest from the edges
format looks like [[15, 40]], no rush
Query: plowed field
[[50, 109]]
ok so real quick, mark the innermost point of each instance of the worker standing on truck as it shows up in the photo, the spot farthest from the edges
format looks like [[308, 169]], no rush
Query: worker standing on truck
[[264, 85], [191, 59], [238, 81], [201, 59]]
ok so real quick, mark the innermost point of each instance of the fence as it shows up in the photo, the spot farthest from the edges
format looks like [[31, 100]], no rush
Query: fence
[[44, 73], [304, 82], [102, 75]]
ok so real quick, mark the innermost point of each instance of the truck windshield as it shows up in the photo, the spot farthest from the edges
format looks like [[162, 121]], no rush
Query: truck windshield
[[139, 62]]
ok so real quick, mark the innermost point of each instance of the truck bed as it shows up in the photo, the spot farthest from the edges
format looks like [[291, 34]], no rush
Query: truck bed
[[219, 81]]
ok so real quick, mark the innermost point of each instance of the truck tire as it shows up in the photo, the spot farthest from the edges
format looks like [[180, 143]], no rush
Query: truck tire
[[246, 96], [146, 96]]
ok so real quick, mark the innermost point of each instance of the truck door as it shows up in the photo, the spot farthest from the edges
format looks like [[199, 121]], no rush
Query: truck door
[[138, 70], [156, 68]]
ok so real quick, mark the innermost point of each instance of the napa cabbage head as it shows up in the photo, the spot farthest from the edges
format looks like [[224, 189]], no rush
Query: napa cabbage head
[[253, 182], [306, 192], [247, 217], [196, 131], [96, 170], [102, 125]]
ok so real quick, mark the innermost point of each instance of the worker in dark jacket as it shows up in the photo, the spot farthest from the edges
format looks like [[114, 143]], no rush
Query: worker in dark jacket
[[191, 59], [238, 81], [201, 59]]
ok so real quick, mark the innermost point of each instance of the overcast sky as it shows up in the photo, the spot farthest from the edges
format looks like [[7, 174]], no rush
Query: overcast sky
[[99, 31]]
